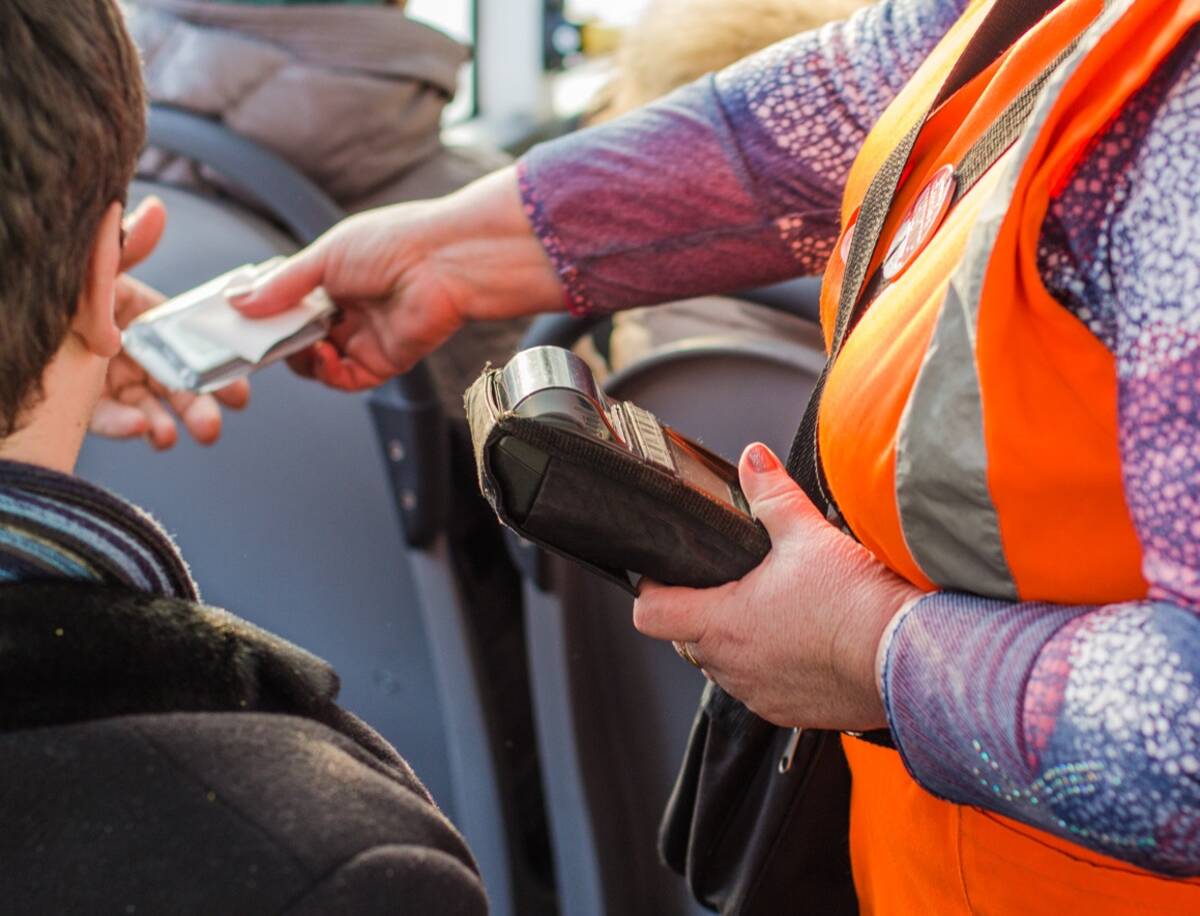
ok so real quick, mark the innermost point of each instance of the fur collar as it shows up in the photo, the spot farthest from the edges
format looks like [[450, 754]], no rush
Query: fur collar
[[72, 651]]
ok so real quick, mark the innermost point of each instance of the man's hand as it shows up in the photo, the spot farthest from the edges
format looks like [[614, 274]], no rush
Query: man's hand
[[796, 639], [133, 404], [406, 277]]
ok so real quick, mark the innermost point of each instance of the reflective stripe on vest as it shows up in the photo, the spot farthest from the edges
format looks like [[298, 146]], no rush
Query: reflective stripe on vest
[[952, 487], [945, 504], [969, 434]]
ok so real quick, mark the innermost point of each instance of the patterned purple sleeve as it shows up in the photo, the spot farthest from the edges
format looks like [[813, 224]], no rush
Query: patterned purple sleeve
[[732, 182], [1086, 722]]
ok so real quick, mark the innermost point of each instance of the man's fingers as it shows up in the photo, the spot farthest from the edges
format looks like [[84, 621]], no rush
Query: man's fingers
[[134, 298], [282, 288], [143, 230], [676, 614], [161, 431], [235, 395], [775, 499], [124, 375], [200, 415], [118, 421]]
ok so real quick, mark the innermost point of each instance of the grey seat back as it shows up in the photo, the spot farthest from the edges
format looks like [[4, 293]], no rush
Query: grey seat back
[[204, 238], [614, 708], [288, 520]]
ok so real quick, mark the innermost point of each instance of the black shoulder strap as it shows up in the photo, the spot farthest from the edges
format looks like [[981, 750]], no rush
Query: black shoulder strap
[[1006, 22]]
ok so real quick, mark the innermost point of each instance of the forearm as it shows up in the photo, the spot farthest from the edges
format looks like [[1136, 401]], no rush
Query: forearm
[[655, 207], [732, 182], [480, 239], [1081, 721]]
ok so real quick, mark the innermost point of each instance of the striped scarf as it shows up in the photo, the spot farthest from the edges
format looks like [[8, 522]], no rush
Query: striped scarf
[[53, 526]]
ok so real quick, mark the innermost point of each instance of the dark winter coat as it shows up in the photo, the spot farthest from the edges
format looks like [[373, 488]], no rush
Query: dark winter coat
[[161, 757]]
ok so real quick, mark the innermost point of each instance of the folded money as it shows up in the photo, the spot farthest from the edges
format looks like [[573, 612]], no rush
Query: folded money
[[199, 342]]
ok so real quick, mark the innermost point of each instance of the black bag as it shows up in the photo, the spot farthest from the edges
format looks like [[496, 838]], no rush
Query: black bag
[[758, 821], [760, 815]]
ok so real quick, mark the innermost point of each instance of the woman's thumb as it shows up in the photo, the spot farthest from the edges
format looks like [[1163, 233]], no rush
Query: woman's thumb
[[280, 289], [775, 499]]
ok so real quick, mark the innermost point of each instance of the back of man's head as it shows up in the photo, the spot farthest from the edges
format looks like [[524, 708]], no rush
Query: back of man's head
[[72, 121]]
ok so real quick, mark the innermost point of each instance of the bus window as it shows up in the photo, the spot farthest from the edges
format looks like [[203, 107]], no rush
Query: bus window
[[457, 18]]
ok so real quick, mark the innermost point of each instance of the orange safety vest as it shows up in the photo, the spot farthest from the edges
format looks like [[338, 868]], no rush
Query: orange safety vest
[[968, 432]]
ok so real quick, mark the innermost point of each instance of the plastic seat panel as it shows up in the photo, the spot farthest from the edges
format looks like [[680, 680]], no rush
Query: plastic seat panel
[[614, 744]]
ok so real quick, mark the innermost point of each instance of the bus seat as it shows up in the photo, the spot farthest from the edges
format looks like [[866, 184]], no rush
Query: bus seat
[[613, 709], [287, 520], [216, 238], [316, 531], [471, 603]]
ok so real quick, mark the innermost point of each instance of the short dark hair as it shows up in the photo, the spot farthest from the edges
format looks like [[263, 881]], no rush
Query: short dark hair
[[72, 122]]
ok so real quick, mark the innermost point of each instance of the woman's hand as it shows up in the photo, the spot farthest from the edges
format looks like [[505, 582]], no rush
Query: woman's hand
[[133, 404], [406, 277], [796, 639]]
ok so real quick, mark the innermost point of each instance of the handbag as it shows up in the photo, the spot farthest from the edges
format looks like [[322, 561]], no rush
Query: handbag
[[759, 819], [760, 815]]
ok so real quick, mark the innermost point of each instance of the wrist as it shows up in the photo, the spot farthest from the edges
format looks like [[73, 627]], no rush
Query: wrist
[[489, 207], [858, 645], [885, 641], [482, 234]]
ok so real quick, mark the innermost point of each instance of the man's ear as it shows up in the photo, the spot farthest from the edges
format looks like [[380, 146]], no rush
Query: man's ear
[[95, 320]]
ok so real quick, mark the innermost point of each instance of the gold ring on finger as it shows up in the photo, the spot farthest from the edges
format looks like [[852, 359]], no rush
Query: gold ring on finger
[[684, 651]]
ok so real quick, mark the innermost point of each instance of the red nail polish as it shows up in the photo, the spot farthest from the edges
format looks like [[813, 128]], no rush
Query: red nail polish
[[762, 460]]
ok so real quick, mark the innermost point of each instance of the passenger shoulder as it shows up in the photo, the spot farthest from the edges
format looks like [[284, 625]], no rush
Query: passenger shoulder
[[215, 812], [308, 785], [387, 878]]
